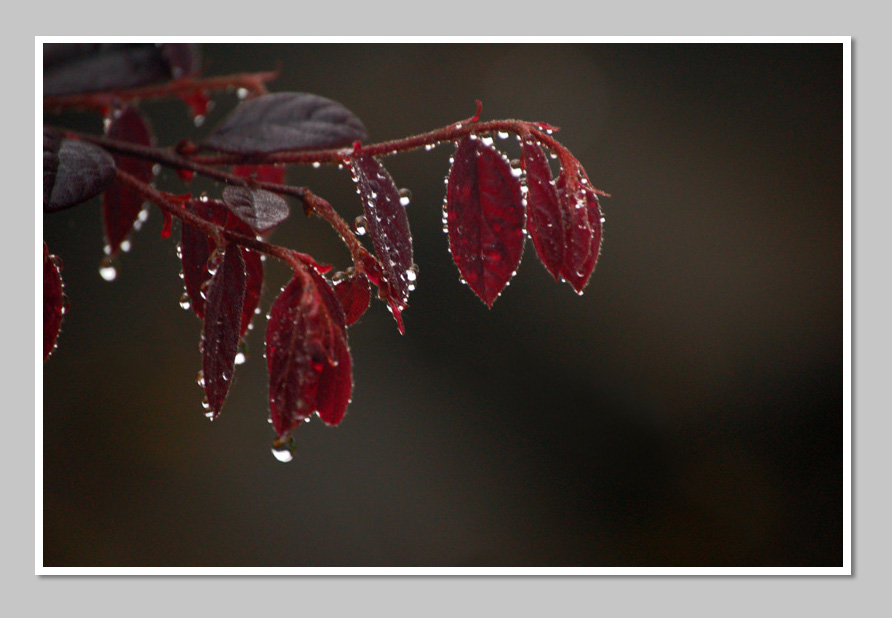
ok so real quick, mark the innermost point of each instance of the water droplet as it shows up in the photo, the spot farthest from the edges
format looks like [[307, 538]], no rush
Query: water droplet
[[205, 403], [198, 120], [283, 450], [240, 358], [317, 165], [107, 269], [156, 169], [185, 302], [125, 246], [487, 140], [502, 134], [603, 219], [429, 147], [199, 379], [203, 197], [179, 251], [242, 93], [412, 273], [405, 197], [359, 225]]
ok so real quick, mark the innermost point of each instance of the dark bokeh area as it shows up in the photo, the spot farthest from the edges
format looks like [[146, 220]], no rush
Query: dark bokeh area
[[686, 411]]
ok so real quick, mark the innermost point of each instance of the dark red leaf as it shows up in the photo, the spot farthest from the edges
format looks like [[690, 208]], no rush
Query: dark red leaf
[[259, 209], [222, 320], [582, 226], [122, 203], [73, 172], [387, 224], [484, 218], [286, 121], [306, 354], [196, 250], [72, 68], [545, 219], [262, 173], [53, 301], [354, 294]]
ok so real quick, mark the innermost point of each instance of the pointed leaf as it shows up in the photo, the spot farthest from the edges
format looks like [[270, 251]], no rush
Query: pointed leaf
[[73, 172], [387, 224], [582, 226], [196, 250], [53, 302], [354, 294], [259, 209], [545, 219], [286, 121], [223, 315], [307, 355], [122, 204], [484, 217]]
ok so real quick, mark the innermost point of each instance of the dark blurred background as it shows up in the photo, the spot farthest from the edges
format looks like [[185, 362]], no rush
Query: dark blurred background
[[686, 411]]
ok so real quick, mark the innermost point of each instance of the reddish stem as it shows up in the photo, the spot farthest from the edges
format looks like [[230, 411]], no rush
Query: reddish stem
[[254, 83]]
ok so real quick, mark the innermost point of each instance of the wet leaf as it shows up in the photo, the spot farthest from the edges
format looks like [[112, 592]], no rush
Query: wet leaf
[[259, 209], [545, 218], [74, 68], [387, 224], [484, 217], [53, 302], [122, 204], [306, 354], [354, 294], [286, 121], [582, 226], [73, 172], [222, 321], [196, 250]]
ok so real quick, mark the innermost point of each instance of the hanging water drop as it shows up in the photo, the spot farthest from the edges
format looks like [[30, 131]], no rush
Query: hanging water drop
[[199, 378], [283, 450], [316, 165], [198, 120], [240, 357], [107, 269], [205, 403], [405, 197], [242, 93], [502, 134], [125, 246], [359, 225], [185, 302]]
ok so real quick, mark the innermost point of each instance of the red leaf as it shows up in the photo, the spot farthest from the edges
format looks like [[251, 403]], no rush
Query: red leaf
[[387, 225], [545, 219], [196, 249], [582, 226], [53, 301], [261, 173], [306, 354], [354, 294], [484, 217], [73, 172], [122, 204], [259, 209], [223, 313], [286, 121]]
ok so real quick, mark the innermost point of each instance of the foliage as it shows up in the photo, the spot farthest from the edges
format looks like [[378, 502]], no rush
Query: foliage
[[491, 205]]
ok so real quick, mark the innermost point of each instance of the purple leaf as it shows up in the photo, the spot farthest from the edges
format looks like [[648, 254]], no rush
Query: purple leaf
[[196, 249], [122, 204], [286, 121], [354, 294], [259, 209], [582, 227], [72, 68], [387, 224], [306, 355], [545, 218], [484, 217], [222, 320], [53, 302], [73, 172]]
